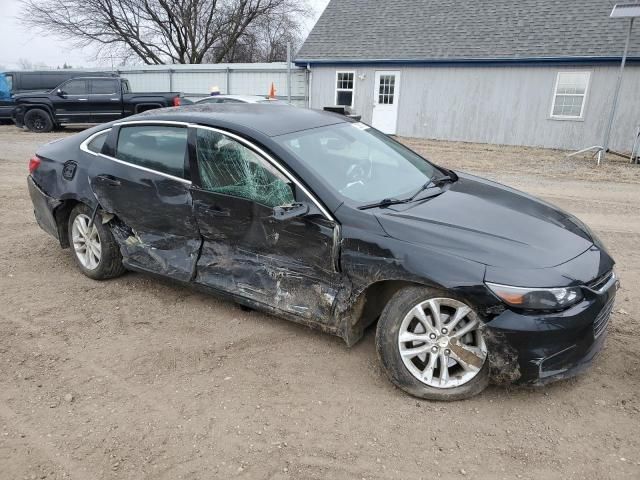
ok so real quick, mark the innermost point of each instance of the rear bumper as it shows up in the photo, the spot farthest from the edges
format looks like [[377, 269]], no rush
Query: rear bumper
[[550, 347], [43, 208]]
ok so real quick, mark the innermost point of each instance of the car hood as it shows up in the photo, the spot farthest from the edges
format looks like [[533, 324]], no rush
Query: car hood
[[489, 223]]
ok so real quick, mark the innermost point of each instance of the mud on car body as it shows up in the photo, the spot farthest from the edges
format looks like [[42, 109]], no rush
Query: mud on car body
[[327, 222]]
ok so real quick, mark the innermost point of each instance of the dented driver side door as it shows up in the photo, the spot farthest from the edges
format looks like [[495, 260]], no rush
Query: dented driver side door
[[287, 263], [142, 178]]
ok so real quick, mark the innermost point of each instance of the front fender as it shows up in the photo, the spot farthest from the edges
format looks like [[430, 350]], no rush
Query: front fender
[[380, 264]]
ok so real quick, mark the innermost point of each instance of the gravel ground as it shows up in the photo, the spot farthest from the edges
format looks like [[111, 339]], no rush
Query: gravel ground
[[136, 378]]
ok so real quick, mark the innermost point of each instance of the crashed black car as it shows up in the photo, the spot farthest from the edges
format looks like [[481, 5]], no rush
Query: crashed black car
[[327, 222]]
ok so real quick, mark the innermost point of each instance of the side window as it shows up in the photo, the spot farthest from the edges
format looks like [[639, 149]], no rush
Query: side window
[[9, 78], [125, 86], [156, 147], [344, 88], [104, 87], [230, 100], [230, 168], [96, 144], [75, 87], [570, 94]]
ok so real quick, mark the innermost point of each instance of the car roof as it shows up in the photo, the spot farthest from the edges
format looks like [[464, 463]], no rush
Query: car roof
[[242, 98], [259, 117]]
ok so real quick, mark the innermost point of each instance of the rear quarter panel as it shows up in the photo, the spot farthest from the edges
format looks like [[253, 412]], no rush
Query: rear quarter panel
[[54, 156]]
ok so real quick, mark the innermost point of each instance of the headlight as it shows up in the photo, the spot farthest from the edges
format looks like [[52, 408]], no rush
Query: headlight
[[537, 298]]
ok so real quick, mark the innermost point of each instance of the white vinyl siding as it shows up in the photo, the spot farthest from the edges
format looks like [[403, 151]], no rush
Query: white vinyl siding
[[570, 94], [345, 82]]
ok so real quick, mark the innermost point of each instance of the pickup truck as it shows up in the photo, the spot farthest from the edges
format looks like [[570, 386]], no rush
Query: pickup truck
[[85, 100]]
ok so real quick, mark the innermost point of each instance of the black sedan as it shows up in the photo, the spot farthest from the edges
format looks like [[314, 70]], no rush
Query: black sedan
[[327, 222]]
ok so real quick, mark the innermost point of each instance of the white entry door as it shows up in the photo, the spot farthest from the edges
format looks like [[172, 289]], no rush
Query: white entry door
[[385, 101]]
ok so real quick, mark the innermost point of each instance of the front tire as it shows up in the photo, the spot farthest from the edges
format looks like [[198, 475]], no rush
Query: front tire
[[94, 249], [431, 345], [38, 120]]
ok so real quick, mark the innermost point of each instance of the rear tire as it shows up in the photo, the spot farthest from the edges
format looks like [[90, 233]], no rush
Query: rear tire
[[38, 120], [94, 249], [409, 315]]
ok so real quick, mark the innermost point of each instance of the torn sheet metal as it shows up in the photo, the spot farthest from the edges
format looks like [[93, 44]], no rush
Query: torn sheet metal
[[154, 222], [170, 255], [503, 358]]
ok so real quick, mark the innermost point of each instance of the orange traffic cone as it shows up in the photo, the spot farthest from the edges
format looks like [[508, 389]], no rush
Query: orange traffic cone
[[272, 91]]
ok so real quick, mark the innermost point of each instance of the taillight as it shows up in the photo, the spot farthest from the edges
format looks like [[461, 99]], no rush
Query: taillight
[[176, 101], [34, 163]]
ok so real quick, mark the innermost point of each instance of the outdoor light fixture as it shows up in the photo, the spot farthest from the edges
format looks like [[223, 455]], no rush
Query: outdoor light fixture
[[626, 10]]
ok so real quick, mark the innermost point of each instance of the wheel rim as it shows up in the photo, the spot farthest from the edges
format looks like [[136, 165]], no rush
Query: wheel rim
[[37, 121], [441, 343], [86, 242]]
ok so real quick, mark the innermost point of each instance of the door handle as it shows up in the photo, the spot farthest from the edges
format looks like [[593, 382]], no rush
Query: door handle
[[108, 180], [83, 99]]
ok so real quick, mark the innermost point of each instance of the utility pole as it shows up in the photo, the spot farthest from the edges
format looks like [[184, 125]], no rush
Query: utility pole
[[631, 11], [289, 72], [614, 107]]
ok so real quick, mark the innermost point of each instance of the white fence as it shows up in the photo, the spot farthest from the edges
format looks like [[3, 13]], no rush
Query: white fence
[[230, 78]]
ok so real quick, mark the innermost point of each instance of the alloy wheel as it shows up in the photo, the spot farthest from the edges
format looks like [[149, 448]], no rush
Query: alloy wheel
[[86, 242], [441, 343], [37, 122]]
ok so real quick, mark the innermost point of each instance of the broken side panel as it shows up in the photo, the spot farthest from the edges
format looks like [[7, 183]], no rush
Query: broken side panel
[[283, 261], [286, 264], [155, 225]]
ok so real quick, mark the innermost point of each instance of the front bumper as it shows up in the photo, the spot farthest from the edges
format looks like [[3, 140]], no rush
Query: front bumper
[[551, 346]]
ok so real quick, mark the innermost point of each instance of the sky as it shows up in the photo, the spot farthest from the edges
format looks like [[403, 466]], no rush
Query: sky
[[18, 42]]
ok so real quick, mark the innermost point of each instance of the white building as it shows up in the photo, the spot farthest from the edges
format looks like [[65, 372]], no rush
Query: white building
[[528, 72]]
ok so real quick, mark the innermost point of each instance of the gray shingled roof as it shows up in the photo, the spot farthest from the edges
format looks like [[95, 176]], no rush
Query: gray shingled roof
[[458, 30]]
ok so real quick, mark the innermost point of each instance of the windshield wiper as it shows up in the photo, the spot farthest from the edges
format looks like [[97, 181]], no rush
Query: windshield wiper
[[384, 203], [450, 177], [433, 182]]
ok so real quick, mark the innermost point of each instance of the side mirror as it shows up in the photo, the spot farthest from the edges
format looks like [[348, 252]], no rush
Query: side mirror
[[60, 92], [286, 212]]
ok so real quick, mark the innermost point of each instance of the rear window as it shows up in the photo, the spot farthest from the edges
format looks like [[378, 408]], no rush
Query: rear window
[[96, 144], [155, 147]]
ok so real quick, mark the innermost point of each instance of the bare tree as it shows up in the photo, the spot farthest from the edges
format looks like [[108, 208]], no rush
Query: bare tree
[[25, 64], [159, 31], [267, 38]]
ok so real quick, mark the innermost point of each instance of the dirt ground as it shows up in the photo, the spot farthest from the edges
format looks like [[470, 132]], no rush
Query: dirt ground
[[136, 378]]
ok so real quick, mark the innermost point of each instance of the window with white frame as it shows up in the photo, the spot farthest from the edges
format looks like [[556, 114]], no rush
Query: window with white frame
[[344, 88], [570, 94]]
